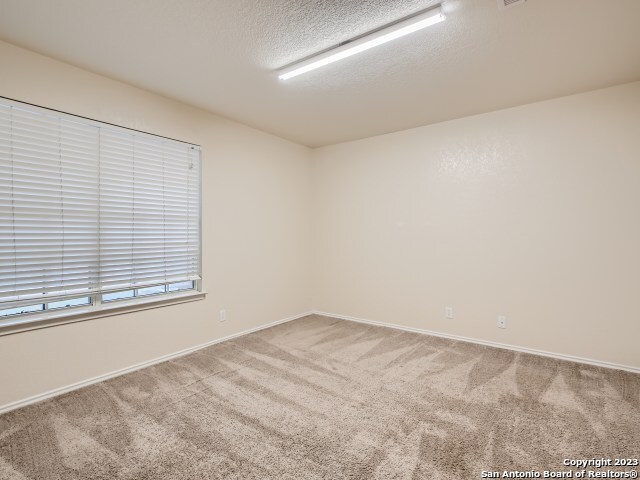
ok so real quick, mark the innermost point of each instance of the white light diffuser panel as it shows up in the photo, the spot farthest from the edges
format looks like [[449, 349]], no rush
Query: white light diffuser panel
[[384, 35]]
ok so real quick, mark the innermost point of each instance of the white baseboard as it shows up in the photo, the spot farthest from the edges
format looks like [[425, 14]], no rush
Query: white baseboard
[[116, 373], [559, 356]]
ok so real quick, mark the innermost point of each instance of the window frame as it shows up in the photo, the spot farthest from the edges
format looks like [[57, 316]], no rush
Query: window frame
[[97, 308]]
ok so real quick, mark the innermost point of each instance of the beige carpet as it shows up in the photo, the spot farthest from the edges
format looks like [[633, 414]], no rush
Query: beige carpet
[[324, 398]]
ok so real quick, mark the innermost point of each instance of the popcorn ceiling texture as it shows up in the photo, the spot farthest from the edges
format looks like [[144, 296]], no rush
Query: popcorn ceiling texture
[[222, 55], [320, 398]]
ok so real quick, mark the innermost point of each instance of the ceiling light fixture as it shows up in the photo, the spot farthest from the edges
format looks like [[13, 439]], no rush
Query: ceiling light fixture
[[382, 35]]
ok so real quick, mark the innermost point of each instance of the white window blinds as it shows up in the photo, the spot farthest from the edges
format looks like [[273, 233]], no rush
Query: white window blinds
[[87, 207]]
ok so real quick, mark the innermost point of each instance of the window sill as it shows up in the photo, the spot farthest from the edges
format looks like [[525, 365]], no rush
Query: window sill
[[55, 318]]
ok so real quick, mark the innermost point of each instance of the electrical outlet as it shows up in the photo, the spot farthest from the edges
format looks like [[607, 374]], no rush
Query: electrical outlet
[[223, 316], [448, 312], [502, 321]]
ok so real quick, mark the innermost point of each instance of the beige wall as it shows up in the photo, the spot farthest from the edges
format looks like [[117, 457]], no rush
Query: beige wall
[[256, 227], [530, 212]]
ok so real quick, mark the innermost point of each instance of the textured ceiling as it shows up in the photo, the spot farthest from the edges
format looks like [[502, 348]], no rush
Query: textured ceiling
[[221, 55]]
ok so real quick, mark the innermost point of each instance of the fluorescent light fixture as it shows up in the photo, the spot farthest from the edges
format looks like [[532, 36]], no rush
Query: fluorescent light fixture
[[365, 42]]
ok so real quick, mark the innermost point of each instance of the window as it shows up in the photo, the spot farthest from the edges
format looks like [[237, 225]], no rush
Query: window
[[92, 215]]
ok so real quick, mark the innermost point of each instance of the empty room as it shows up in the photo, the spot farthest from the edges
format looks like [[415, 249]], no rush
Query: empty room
[[315, 239]]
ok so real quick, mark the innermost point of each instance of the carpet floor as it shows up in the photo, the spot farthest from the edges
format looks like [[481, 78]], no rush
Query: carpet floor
[[320, 398]]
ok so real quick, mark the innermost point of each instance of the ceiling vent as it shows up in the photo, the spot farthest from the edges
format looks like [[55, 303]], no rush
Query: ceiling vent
[[509, 3]]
